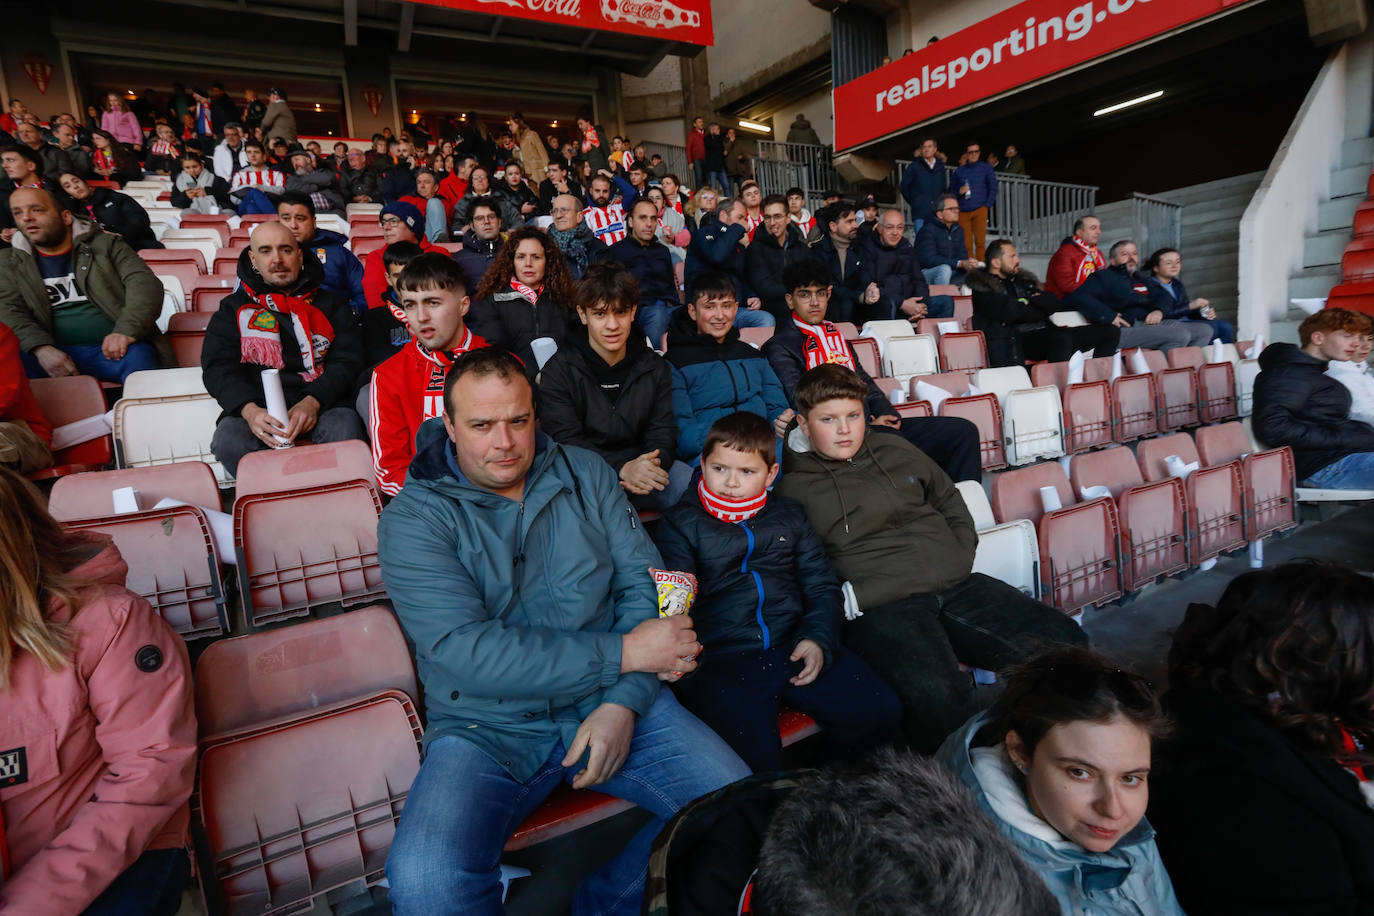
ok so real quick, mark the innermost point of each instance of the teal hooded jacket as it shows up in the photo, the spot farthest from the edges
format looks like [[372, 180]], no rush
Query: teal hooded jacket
[[516, 607], [1128, 880]]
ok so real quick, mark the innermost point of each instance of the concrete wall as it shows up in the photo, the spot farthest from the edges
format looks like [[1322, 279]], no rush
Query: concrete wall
[[756, 36], [818, 110], [922, 19], [26, 37]]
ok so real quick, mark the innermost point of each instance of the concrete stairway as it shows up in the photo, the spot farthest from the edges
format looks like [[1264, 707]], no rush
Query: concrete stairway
[[1322, 249], [1211, 227]]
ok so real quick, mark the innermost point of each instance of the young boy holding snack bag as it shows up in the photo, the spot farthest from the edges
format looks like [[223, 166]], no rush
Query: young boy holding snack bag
[[767, 609]]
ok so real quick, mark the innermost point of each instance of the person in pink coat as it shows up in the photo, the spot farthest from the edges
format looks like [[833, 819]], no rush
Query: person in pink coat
[[121, 122], [97, 727]]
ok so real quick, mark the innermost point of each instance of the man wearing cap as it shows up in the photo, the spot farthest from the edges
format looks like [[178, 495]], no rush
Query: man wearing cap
[[278, 123], [307, 177], [401, 222]]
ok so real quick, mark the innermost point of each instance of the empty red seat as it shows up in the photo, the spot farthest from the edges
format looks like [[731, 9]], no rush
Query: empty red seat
[[1357, 266], [914, 409], [963, 352], [252, 219], [66, 400], [293, 810], [365, 246], [1216, 383], [1364, 224], [300, 550], [1365, 244], [868, 354], [1269, 477], [1079, 548], [985, 412], [1153, 522], [186, 331], [304, 467], [1356, 296], [88, 495], [963, 312], [1087, 406], [208, 298], [1176, 388], [1135, 412], [217, 221], [187, 273], [227, 259], [931, 326], [1214, 496], [155, 257]]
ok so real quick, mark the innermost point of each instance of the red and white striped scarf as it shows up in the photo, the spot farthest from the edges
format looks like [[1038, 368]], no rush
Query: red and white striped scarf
[[440, 361], [1092, 261], [805, 220], [823, 343], [260, 327], [164, 148], [730, 510], [529, 295], [590, 140]]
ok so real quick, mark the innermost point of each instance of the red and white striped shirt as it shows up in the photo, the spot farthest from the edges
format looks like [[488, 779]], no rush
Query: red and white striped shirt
[[607, 223], [269, 180]]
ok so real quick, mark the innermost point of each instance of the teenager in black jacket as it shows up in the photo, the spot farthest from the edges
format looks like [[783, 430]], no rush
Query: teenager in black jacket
[[111, 211], [606, 391], [779, 243], [1263, 800], [1013, 312]]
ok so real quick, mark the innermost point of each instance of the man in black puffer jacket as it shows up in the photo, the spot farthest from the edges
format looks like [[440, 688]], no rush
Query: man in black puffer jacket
[[606, 391], [482, 241], [768, 606], [1013, 312], [1298, 405], [779, 244], [897, 271]]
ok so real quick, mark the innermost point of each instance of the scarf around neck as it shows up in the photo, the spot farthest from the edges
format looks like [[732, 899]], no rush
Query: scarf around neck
[[574, 248], [1092, 260], [730, 510], [823, 343], [260, 326], [529, 295]]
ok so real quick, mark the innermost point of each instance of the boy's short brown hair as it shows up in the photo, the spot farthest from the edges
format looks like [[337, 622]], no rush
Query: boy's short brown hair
[[828, 382], [609, 285], [744, 432], [1328, 321]]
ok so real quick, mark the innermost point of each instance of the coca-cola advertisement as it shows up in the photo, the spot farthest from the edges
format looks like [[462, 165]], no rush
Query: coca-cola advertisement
[[684, 20]]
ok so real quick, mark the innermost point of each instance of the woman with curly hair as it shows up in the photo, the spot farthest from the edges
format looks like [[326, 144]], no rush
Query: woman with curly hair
[[526, 294], [97, 726], [1266, 806]]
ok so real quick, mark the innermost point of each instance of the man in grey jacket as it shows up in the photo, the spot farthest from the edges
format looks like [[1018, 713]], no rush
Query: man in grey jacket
[[278, 122], [521, 574]]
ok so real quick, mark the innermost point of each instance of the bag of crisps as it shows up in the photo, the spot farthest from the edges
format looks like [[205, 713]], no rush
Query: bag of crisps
[[677, 591]]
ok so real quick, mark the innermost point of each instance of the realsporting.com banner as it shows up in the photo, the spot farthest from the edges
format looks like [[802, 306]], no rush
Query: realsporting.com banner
[[684, 20], [1027, 42]]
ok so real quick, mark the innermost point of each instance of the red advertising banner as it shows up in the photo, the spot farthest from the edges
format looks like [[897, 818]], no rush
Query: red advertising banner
[[685, 20], [1031, 40]]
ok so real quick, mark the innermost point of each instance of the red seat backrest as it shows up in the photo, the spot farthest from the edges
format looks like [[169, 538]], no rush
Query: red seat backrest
[[1183, 357], [1364, 224], [155, 257], [1016, 494], [1150, 454], [1113, 468], [284, 470], [88, 495], [1222, 443], [1357, 266]]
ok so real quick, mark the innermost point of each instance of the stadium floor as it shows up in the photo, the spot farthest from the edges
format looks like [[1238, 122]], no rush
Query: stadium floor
[[1137, 634]]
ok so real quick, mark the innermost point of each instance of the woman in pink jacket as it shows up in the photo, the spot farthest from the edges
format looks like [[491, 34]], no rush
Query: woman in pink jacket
[[97, 727], [121, 122]]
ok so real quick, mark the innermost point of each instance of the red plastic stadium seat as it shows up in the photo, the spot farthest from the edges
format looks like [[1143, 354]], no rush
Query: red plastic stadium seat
[[1078, 543], [914, 409], [1369, 191], [304, 467], [963, 312], [757, 337], [365, 246], [1214, 496], [207, 298], [963, 352], [189, 274], [252, 219], [1087, 406], [849, 329], [1357, 266], [112, 185], [66, 400], [1216, 383], [1356, 296], [296, 809], [1269, 477], [1154, 538], [1359, 245], [240, 236], [155, 257], [88, 495], [866, 349], [299, 550], [931, 326], [985, 412], [218, 221], [290, 671], [227, 259], [186, 331], [172, 564], [1364, 224]]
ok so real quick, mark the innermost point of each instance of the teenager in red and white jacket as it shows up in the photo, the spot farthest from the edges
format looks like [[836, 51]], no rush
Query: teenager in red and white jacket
[[408, 388]]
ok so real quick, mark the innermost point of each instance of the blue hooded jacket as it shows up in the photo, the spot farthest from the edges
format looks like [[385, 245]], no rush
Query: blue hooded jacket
[[516, 608], [1128, 880], [343, 272]]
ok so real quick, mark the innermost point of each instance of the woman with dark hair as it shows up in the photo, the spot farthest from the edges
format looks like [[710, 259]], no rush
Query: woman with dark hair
[[97, 726], [1265, 805], [1061, 761], [525, 295], [1164, 266], [112, 160], [110, 210]]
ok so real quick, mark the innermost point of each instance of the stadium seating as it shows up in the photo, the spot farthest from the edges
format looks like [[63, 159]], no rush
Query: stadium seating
[[66, 400], [365, 246], [1269, 477], [186, 331], [1032, 417], [164, 430], [1079, 546], [157, 257], [905, 357], [298, 550], [1213, 496], [985, 412], [1154, 540], [1176, 389], [1216, 381], [1247, 370], [1357, 266], [202, 239], [1134, 409], [966, 352], [216, 221], [1087, 407], [1008, 551], [304, 466], [869, 355]]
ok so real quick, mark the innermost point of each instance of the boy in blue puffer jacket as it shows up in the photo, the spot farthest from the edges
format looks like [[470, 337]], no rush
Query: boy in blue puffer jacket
[[768, 607]]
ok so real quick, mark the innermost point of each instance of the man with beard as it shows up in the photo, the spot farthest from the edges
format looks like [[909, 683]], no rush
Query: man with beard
[[605, 216]]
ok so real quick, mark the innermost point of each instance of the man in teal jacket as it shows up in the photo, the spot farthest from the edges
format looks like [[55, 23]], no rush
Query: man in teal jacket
[[521, 574]]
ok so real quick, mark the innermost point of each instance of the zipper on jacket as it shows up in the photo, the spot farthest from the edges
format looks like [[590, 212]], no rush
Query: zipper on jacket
[[634, 522], [758, 585]]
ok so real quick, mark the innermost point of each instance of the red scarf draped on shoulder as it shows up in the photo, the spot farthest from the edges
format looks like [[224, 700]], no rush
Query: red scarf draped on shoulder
[[260, 331], [823, 343], [1092, 261]]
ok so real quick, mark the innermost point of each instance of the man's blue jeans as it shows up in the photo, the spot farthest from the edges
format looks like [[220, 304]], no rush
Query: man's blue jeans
[[942, 274], [720, 181], [1353, 472], [91, 361], [754, 318], [446, 857], [699, 173], [652, 318]]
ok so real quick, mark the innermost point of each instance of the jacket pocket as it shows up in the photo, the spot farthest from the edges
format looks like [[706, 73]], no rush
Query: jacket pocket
[[28, 761]]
